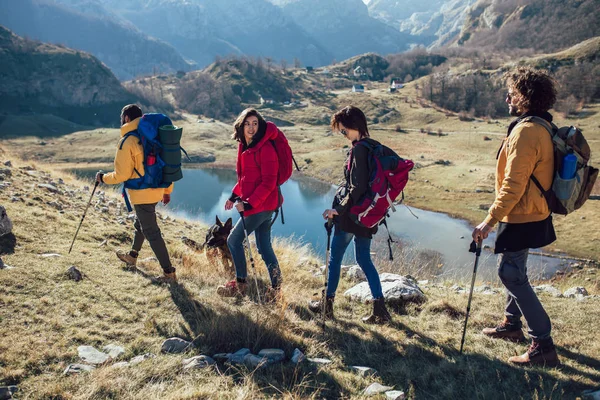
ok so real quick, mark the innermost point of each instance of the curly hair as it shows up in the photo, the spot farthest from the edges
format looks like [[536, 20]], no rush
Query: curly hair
[[535, 88]]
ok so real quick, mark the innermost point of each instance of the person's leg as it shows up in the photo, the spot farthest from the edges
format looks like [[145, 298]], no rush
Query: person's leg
[[362, 248], [138, 236], [339, 244], [265, 248], [513, 273], [235, 242], [146, 214]]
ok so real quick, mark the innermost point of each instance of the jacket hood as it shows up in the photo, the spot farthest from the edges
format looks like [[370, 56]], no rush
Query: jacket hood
[[270, 133], [130, 126]]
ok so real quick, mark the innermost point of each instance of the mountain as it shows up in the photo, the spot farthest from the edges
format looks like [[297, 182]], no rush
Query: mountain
[[201, 30], [345, 27], [40, 78], [91, 28], [540, 25], [435, 21]]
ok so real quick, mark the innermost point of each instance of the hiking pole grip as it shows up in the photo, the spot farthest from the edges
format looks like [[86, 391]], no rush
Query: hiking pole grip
[[83, 216], [477, 251]]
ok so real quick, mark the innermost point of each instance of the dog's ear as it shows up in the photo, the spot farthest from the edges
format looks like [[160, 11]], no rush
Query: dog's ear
[[218, 221], [229, 223]]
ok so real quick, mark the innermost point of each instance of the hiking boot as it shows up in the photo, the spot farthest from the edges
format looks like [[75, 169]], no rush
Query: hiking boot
[[273, 295], [166, 278], [316, 306], [380, 313], [541, 353], [128, 257], [232, 289], [507, 331]]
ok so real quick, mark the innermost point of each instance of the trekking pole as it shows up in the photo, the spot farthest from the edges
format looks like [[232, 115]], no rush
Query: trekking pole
[[250, 255], [474, 248], [83, 216], [328, 227]]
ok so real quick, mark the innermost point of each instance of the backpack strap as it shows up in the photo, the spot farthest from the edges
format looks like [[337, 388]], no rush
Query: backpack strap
[[550, 127]]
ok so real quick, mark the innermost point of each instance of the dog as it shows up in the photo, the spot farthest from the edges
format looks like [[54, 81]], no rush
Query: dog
[[215, 245]]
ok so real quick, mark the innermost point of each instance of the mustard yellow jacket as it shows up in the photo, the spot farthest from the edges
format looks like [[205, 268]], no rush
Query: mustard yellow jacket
[[131, 156], [527, 150]]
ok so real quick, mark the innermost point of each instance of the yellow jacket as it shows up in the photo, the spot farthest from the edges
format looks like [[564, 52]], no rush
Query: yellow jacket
[[131, 156], [527, 150]]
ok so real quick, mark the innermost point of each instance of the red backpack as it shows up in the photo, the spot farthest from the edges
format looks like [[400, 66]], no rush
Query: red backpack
[[285, 169], [387, 179]]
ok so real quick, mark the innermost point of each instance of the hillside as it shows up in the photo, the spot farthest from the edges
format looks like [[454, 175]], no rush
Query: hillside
[[46, 316], [44, 79], [89, 27], [538, 25]]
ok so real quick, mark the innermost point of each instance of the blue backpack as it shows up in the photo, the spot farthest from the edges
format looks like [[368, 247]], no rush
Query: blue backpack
[[162, 154]]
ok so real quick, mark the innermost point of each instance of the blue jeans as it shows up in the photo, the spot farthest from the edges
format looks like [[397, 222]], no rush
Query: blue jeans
[[521, 300], [260, 224], [362, 248]]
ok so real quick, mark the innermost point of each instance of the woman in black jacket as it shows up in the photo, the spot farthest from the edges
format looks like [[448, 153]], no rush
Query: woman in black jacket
[[352, 124]]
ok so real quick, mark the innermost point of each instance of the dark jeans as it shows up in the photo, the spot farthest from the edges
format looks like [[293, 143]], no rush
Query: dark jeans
[[260, 224], [362, 248], [521, 300], [146, 227]]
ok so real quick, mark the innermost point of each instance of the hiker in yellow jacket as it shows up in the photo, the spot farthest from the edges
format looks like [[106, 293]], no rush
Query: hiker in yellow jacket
[[128, 160], [522, 213]]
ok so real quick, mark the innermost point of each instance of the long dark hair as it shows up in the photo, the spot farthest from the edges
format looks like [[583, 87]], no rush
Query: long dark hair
[[238, 125]]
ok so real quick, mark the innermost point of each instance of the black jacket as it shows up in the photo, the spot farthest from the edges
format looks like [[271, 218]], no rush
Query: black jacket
[[356, 173]]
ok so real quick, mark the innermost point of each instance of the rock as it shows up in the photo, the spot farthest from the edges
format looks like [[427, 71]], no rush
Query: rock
[[74, 274], [113, 350], [8, 164], [298, 356], [86, 188], [121, 364], [92, 356], [143, 357], [395, 395], [60, 181], [273, 355], [48, 255], [576, 292], [423, 282], [5, 173], [55, 204], [549, 289], [396, 289], [78, 368], [458, 289], [111, 204], [6, 392], [355, 273], [238, 356], [376, 388], [49, 187], [14, 199], [252, 361], [319, 360], [104, 210], [5, 222], [364, 371], [198, 362], [222, 357], [174, 345], [485, 290]]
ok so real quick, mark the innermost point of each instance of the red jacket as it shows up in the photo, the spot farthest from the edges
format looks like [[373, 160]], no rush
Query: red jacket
[[257, 169]]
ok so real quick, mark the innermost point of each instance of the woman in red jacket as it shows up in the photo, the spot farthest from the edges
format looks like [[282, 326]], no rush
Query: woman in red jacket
[[256, 196]]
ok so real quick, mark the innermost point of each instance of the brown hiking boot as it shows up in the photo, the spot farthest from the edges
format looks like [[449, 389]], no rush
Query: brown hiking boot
[[540, 353], [166, 278], [506, 331], [380, 314], [232, 289], [316, 306], [128, 258]]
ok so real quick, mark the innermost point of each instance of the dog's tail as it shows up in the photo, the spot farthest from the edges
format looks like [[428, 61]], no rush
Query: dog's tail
[[192, 244]]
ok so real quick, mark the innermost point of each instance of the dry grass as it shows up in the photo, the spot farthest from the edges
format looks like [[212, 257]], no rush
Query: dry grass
[[44, 317]]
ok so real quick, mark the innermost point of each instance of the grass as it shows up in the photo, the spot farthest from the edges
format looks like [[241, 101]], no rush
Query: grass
[[44, 317]]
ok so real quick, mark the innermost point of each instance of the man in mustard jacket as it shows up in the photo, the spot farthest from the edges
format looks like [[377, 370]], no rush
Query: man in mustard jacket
[[521, 212], [128, 160]]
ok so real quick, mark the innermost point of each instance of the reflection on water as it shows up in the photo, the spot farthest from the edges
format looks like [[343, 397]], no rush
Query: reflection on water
[[432, 245]]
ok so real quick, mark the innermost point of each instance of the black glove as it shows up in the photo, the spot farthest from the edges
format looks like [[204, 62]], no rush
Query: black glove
[[247, 206]]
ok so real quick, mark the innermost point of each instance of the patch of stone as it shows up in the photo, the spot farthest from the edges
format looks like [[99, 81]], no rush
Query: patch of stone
[[396, 289], [355, 273], [298, 356], [174, 345], [113, 350], [222, 357], [253, 361], [6, 392], [322, 361], [199, 362], [78, 368], [90, 355], [121, 364], [576, 292], [142, 357], [74, 274], [48, 255], [238, 356], [485, 289], [273, 355], [549, 289], [8, 164], [395, 395], [48, 187], [363, 371], [376, 388]]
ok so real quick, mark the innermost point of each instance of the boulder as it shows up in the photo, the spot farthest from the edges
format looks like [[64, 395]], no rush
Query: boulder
[[174, 345], [198, 362], [113, 350], [90, 355], [5, 222], [273, 355], [396, 289], [355, 273], [576, 292], [253, 361], [376, 388], [238, 356]]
